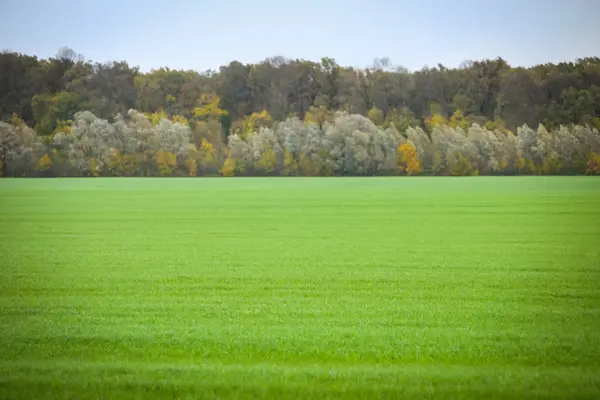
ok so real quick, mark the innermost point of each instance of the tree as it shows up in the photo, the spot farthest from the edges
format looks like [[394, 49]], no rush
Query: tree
[[234, 90], [50, 110], [376, 116], [290, 167], [520, 98], [20, 149], [21, 78], [109, 89], [408, 160], [192, 168], [208, 157], [267, 162], [483, 84], [330, 81], [229, 166], [458, 120], [435, 120], [294, 116], [208, 109], [593, 164], [401, 120], [459, 165], [165, 161], [307, 166], [252, 123], [318, 116], [44, 163]]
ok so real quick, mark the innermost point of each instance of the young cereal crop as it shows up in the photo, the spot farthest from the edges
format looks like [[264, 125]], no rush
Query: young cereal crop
[[482, 287]]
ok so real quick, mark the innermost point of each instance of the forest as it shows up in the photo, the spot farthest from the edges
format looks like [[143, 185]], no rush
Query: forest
[[65, 116]]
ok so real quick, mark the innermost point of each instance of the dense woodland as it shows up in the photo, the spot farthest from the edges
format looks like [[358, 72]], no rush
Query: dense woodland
[[64, 116]]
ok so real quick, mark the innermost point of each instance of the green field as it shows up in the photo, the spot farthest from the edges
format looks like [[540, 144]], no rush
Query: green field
[[300, 288]]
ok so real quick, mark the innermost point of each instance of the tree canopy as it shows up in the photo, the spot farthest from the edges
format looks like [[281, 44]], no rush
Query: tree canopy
[[64, 116]]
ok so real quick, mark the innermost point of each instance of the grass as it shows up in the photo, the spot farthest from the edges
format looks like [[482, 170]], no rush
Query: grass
[[300, 288]]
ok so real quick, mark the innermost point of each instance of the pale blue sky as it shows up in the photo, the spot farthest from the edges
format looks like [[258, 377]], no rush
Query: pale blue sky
[[206, 34]]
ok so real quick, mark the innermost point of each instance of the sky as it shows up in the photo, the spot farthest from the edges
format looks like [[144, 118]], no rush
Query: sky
[[201, 35]]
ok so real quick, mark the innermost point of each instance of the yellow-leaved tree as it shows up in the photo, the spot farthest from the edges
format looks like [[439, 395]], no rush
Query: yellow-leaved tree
[[376, 116], [207, 108], [228, 168], [180, 119], [62, 127], [407, 159], [459, 165], [290, 167], [435, 120], [307, 166], [318, 116], [156, 117], [191, 166], [165, 161], [593, 164], [551, 165], [252, 123], [208, 157], [43, 164], [458, 120], [526, 165], [267, 161]]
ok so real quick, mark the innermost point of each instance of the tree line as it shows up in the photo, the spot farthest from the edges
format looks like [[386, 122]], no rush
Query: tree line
[[68, 117]]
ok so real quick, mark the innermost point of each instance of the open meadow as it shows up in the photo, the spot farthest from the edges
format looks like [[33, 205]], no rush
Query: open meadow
[[474, 287]]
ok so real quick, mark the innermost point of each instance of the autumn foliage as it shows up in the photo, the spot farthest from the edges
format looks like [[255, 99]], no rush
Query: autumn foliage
[[408, 160], [44, 163], [593, 164], [165, 161], [340, 144]]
